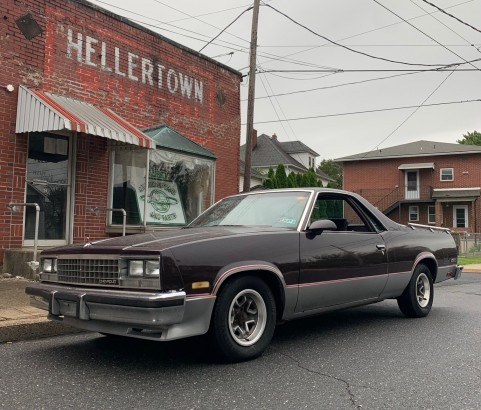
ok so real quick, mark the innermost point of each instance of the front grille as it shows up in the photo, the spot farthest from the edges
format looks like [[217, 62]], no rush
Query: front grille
[[88, 271]]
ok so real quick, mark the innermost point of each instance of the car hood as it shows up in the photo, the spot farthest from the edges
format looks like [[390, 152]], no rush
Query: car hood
[[160, 240]]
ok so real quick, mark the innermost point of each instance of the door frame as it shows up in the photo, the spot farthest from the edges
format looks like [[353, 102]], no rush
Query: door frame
[[72, 141]]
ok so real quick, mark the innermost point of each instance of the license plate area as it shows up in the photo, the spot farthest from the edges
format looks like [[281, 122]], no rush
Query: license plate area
[[67, 308]]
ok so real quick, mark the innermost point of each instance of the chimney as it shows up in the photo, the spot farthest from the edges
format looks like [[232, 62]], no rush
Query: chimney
[[254, 138], [274, 137]]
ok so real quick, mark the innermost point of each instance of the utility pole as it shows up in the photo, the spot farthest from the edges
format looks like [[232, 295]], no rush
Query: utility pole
[[250, 98]]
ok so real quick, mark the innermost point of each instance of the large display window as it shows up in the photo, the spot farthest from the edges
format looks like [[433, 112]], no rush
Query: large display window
[[180, 186]]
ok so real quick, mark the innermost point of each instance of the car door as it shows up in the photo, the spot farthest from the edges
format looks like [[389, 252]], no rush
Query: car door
[[344, 265]]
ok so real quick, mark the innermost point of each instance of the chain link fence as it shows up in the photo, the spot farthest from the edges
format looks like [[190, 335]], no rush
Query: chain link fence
[[468, 244]]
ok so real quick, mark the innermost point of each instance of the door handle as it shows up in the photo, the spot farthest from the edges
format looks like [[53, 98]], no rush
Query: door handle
[[381, 248]]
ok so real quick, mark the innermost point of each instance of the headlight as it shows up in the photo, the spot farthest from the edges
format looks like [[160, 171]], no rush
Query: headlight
[[144, 268], [136, 269], [49, 265], [152, 269]]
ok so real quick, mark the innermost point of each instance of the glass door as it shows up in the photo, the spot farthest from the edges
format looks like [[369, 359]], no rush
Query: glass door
[[48, 185], [412, 185]]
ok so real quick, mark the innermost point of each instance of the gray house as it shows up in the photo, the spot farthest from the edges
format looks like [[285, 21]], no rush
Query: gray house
[[270, 152]]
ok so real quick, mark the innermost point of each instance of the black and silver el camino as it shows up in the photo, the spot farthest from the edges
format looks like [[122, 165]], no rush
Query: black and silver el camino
[[248, 262]]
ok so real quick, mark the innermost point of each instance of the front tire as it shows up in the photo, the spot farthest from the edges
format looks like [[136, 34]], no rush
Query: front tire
[[244, 318], [417, 298]]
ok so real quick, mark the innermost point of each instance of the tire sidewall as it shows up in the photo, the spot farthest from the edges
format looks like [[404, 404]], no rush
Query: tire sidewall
[[230, 349], [408, 300]]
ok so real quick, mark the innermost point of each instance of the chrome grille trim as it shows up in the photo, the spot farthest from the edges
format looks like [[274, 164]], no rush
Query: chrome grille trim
[[98, 271]]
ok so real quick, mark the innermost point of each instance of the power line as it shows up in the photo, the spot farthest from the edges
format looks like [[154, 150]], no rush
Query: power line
[[427, 35], [450, 15], [370, 111], [415, 111], [327, 87], [349, 48], [198, 19], [449, 28], [230, 24], [367, 70], [368, 31]]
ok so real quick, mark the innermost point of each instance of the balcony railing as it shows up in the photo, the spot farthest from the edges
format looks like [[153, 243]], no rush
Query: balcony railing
[[385, 198]]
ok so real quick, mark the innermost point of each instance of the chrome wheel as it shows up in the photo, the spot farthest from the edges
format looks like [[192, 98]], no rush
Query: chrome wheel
[[247, 317], [423, 290]]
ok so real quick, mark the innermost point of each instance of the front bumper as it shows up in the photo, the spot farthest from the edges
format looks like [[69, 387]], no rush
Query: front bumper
[[147, 315]]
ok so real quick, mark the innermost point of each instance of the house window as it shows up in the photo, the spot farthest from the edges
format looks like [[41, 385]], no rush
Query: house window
[[413, 213], [431, 214], [180, 187], [447, 174], [460, 216]]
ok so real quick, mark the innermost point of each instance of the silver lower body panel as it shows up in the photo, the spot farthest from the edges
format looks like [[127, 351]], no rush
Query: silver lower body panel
[[146, 315]]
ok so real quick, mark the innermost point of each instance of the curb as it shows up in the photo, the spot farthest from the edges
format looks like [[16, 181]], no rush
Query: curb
[[26, 329]]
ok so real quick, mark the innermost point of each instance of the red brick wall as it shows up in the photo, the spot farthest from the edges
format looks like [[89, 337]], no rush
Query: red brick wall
[[42, 63], [374, 179]]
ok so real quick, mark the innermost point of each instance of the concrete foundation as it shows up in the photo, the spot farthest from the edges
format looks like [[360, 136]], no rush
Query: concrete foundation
[[16, 261]]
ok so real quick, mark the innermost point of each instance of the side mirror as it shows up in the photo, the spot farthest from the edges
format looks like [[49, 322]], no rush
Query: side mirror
[[320, 225]]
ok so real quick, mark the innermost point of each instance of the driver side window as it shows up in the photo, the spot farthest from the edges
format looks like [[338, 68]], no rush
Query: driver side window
[[339, 210]]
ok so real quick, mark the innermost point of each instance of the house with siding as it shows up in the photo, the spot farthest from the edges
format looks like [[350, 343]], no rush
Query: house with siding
[[270, 152], [423, 182]]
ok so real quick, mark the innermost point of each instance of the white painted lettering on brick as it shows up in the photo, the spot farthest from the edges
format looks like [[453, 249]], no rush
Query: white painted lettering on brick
[[160, 75], [117, 62], [185, 85], [147, 70], [131, 66], [172, 75], [76, 46], [89, 50], [199, 90], [103, 58]]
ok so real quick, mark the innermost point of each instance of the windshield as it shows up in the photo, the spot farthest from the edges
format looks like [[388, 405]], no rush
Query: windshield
[[276, 209]]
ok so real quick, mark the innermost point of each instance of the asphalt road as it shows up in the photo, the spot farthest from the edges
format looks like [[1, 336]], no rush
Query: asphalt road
[[364, 358]]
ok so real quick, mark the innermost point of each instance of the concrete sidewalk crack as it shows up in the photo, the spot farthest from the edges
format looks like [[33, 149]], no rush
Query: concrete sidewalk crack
[[352, 398]]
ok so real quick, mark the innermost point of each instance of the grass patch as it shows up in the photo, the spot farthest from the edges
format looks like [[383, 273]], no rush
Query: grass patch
[[469, 260]]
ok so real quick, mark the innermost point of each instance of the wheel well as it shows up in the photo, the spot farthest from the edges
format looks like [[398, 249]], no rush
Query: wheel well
[[270, 279], [431, 264]]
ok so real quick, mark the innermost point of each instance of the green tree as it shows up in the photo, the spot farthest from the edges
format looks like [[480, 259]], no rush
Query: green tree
[[270, 181], [334, 170], [281, 176], [292, 180], [471, 138]]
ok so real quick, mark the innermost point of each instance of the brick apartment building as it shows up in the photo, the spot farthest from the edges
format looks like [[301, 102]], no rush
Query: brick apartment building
[[78, 85], [422, 182]]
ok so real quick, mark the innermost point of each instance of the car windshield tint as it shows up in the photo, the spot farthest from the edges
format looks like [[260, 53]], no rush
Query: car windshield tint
[[279, 209]]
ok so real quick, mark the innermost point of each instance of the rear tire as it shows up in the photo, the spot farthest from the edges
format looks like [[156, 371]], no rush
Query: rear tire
[[417, 298], [244, 318]]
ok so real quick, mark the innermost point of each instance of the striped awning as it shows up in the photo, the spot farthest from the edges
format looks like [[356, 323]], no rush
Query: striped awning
[[43, 111]]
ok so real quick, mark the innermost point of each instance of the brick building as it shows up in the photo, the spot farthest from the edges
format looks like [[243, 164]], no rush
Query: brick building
[[420, 182], [85, 83]]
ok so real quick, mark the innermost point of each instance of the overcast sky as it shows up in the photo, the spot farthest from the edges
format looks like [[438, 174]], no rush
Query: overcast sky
[[308, 106]]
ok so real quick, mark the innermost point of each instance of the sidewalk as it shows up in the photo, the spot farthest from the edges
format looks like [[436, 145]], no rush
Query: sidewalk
[[19, 320]]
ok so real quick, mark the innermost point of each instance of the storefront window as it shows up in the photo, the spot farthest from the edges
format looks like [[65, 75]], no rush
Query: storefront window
[[180, 187]]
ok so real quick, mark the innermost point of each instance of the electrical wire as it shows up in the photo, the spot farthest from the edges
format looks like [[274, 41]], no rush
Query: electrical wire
[[275, 110], [450, 15], [230, 24], [349, 48], [367, 32], [414, 112], [427, 35], [449, 28], [369, 111], [198, 19]]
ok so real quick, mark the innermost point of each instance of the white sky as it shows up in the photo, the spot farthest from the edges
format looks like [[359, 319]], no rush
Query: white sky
[[363, 25]]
